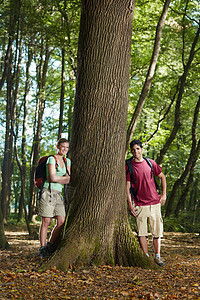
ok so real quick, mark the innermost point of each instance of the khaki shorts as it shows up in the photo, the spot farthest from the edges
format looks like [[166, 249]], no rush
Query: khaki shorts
[[153, 214], [51, 204]]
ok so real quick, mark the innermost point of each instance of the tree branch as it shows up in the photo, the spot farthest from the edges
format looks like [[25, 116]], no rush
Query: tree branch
[[149, 76]]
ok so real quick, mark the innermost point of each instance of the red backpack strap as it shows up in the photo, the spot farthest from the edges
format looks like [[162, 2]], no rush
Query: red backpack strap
[[55, 160], [65, 161]]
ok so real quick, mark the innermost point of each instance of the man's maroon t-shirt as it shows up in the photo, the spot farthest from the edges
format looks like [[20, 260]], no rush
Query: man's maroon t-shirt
[[144, 185]]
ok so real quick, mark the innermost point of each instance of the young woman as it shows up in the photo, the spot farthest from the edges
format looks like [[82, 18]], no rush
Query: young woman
[[51, 204]]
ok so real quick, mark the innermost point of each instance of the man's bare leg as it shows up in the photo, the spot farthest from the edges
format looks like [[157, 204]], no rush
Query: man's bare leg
[[156, 245], [143, 244]]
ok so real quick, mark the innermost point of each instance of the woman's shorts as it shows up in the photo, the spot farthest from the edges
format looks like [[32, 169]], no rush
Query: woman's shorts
[[51, 204], [153, 214]]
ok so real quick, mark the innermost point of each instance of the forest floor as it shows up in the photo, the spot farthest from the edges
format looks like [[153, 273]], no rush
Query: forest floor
[[20, 277]]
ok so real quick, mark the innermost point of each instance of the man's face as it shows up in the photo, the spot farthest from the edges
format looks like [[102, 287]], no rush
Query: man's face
[[137, 152]]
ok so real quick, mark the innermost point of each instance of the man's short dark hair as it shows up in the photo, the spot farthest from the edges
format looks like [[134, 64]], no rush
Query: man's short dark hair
[[135, 142]]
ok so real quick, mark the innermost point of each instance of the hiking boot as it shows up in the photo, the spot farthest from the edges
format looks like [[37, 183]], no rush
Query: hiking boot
[[42, 252], [159, 261], [50, 249]]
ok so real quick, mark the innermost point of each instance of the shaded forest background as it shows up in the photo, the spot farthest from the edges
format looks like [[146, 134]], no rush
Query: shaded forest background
[[38, 58]]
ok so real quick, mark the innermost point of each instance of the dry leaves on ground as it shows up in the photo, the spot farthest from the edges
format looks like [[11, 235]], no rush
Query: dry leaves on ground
[[179, 279]]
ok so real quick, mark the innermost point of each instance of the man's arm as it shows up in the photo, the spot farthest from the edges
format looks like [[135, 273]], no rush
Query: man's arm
[[130, 205], [164, 188]]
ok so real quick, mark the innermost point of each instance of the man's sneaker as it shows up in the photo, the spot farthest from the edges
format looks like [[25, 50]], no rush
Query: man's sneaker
[[159, 261], [42, 252]]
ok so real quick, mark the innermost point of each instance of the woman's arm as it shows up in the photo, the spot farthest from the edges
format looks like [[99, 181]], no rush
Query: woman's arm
[[53, 177]]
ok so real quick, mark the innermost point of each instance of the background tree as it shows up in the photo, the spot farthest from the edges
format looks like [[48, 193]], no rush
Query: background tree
[[10, 112], [149, 77]]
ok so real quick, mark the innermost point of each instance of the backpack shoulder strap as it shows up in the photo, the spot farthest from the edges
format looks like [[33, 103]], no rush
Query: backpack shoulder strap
[[65, 161], [130, 168], [56, 165], [150, 165], [152, 173]]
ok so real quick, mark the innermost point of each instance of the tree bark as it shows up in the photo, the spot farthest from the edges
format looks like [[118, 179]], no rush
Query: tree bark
[[98, 230], [41, 79], [18, 58], [3, 241], [10, 114], [149, 76], [7, 161], [22, 164]]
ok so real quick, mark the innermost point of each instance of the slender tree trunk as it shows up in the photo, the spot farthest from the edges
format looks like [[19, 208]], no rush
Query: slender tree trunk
[[72, 62], [190, 163], [23, 162], [42, 73], [4, 73], [149, 76], [98, 230], [7, 162], [15, 120], [10, 114], [70, 108], [196, 201], [181, 85], [62, 95], [3, 241], [182, 199], [67, 26]]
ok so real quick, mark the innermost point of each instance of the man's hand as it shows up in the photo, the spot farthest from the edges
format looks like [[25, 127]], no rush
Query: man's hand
[[162, 199], [164, 187], [133, 210]]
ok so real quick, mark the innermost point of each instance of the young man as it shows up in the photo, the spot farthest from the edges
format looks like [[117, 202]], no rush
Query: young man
[[146, 202]]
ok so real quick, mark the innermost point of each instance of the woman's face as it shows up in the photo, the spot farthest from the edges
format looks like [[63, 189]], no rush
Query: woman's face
[[63, 148]]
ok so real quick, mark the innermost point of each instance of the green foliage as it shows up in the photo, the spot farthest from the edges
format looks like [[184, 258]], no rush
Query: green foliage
[[185, 222]]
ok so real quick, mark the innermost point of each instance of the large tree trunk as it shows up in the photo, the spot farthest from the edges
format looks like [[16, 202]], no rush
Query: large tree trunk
[[98, 230]]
